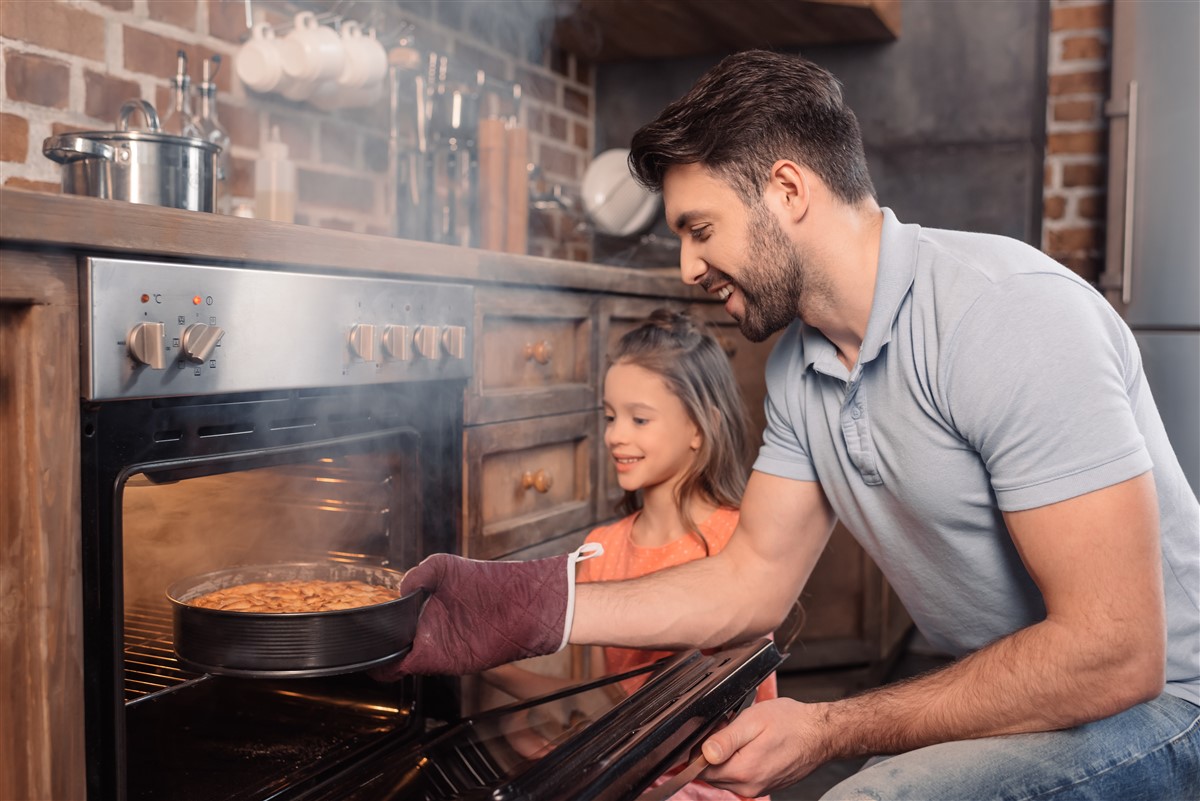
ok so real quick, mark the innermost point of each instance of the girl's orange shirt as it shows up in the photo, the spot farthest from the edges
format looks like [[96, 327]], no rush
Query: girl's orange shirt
[[625, 559]]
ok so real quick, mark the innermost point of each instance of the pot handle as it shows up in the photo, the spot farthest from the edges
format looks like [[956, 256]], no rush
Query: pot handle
[[147, 110], [73, 148]]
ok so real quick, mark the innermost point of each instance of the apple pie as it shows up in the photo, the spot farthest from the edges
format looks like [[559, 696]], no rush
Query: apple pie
[[295, 595]]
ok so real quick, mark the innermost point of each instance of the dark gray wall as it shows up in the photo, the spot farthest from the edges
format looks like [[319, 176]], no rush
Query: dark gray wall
[[952, 113]]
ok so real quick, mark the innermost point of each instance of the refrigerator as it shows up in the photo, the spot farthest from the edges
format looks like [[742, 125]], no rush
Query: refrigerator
[[1152, 263]]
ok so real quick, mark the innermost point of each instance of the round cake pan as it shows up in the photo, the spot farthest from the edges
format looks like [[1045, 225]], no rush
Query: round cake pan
[[292, 644]]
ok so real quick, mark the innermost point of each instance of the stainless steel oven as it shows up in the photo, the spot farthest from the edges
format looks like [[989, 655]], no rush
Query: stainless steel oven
[[237, 416]]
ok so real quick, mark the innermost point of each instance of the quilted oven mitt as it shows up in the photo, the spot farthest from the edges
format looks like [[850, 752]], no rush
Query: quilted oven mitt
[[482, 614]]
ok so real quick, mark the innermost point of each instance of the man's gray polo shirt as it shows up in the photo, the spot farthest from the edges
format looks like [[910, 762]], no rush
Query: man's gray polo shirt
[[990, 378]]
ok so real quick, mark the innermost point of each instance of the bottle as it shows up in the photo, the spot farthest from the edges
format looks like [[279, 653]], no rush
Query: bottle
[[179, 120], [275, 182], [212, 131]]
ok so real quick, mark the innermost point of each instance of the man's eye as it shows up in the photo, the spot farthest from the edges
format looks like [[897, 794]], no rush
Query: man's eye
[[701, 233]]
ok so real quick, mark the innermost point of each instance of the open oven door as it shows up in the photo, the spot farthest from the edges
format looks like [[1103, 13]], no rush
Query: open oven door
[[595, 741]]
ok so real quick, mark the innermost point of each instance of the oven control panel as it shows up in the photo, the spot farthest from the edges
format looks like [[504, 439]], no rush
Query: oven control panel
[[159, 329]]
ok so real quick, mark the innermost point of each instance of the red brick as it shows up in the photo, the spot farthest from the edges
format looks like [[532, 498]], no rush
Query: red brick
[[1083, 47], [56, 26], [1069, 240], [227, 19], [576, 101], [1092, 207], [104, 95], [556, 126], [1077, 110], [1083, 175], [1080, 17], [556, 161], [538, 86], [152, 54], [34, 186], [1086, 266], [580, 139], [37, 79], [1074, 83], [180, 13], [1086, 142], [1054, 207], [14, 138], [242, 124]]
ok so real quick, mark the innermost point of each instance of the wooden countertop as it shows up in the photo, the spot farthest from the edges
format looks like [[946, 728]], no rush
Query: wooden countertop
[[89, 225]]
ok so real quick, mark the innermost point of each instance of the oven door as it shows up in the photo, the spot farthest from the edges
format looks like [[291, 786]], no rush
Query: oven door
[[602, 740]]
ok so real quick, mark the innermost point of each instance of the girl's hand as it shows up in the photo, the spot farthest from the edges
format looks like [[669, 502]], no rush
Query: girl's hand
[[772, 744]]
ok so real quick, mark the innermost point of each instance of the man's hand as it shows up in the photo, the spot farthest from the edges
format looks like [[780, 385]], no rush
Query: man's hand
[[483, 614], [772, 744]]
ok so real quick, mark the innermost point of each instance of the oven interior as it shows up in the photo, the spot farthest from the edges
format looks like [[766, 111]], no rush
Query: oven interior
[[185, 487]]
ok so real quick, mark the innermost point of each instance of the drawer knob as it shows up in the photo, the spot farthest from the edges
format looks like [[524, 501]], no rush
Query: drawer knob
[[540, 481], [540, 352]]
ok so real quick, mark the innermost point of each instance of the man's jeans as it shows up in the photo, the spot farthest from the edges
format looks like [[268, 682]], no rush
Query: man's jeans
[[1148, 753]]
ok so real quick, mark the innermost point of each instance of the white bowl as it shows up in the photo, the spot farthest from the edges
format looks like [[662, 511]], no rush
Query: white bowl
[[613, 199]]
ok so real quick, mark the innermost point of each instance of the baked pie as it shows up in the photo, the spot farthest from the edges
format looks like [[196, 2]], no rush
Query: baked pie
[[295, 595]]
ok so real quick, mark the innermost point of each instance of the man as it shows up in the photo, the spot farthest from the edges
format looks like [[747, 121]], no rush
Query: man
[[976, 415]]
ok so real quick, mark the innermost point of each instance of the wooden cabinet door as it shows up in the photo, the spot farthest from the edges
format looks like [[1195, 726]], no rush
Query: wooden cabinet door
[[528, 481], [534, 355]]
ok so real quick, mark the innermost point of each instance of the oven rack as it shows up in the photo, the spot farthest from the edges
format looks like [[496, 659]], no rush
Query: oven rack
[[150, 662]]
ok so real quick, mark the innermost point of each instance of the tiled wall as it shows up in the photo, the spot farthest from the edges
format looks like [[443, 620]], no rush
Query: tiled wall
[[68, 65], [1077, 134]]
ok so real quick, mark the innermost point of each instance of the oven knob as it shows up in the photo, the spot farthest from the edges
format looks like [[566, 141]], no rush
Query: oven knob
[[397, 342], [427, 342], [199, 340], [454, 340], [146, 345], [362, 341]]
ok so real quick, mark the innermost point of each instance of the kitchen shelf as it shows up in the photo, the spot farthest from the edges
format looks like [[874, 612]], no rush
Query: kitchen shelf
[[621, 30]]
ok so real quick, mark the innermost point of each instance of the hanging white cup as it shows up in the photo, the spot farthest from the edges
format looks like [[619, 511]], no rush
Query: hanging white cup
[[259, 64], [312, 52], [366, 60]]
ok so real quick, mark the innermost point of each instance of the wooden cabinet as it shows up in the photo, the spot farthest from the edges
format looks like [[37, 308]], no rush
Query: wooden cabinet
[[621, 30], [530, 444]]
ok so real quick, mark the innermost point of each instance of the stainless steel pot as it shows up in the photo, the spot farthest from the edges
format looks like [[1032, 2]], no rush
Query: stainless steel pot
[[140, 166]]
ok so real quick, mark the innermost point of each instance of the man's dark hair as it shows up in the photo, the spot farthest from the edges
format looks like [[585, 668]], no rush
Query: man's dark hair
[[746, 113]]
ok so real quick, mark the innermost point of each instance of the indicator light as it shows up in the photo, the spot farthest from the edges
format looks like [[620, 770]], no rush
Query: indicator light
[[196, 301], [145, 298]]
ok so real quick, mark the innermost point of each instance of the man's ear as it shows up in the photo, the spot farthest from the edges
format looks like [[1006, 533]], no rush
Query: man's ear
[[789, 184]]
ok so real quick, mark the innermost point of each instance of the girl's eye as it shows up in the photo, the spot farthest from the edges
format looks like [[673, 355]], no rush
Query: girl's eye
[[640, 421], [700, 233], [608, 419]]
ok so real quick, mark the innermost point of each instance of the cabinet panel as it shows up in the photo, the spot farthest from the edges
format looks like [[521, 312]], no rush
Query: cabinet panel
[[528, 481], [534, 355]]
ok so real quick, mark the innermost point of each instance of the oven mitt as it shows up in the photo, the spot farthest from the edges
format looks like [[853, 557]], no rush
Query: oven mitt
[[482, 614]]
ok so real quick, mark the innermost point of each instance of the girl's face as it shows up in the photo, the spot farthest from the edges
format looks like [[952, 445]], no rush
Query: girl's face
[[648, 432]]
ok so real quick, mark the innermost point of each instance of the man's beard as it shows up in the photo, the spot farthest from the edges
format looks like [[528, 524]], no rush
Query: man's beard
[[771, 292]]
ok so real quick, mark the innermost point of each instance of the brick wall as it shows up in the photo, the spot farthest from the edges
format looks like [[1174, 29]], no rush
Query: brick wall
[[1077, 134], [68, 65]]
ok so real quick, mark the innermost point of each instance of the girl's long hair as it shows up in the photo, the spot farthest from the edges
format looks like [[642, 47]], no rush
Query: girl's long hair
[[692, 363]]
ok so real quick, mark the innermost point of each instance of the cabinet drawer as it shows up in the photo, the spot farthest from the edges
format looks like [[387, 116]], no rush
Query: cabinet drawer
[[534, 355], [528, 481]]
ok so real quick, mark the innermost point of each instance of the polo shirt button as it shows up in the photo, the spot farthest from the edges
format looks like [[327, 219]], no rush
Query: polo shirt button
[[856, 412]]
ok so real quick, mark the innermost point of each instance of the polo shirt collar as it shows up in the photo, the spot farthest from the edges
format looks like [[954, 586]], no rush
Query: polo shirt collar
[[893, 280]]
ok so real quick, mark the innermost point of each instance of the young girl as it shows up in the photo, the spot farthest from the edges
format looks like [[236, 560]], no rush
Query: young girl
[[675, 428]]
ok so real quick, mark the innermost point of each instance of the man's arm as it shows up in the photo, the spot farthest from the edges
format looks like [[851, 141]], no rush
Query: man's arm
[[742, 592], [1101, 649]]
